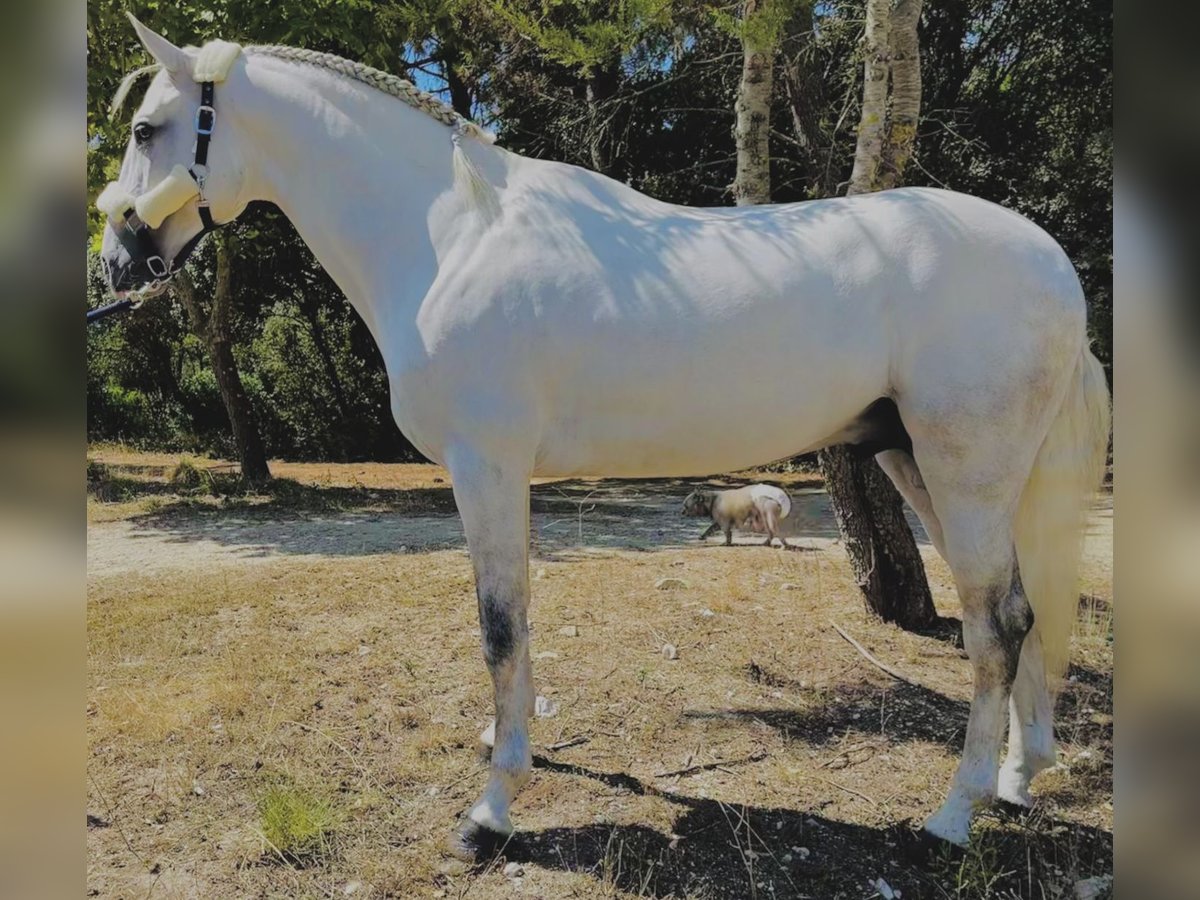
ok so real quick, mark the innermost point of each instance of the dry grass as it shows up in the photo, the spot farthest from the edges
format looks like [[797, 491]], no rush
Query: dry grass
[[306, 726]]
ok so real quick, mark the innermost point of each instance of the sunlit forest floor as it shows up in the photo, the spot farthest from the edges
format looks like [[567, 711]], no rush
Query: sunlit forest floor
[[286, 686]]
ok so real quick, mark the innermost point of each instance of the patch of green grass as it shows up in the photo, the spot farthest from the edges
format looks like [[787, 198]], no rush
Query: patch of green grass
[[96, 471], [187, 475], [106, 486], [296, 824], [974, 872]]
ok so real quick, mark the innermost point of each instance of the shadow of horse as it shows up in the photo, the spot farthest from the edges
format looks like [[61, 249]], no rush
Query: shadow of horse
[[717, 849]]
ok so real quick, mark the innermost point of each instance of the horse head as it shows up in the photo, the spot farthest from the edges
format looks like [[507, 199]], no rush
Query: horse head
[[182, 174]]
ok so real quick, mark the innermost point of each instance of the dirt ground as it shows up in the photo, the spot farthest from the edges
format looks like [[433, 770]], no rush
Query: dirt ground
[[310, 655]]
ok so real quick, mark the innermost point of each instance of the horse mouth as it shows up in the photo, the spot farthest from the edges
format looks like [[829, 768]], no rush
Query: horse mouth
[[145, 292], [151, 290]]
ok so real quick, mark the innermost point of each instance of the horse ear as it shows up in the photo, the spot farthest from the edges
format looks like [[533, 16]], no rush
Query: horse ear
[[175, 60]]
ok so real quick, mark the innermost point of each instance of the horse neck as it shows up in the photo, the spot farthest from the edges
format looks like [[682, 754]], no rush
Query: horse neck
[[366, 180]]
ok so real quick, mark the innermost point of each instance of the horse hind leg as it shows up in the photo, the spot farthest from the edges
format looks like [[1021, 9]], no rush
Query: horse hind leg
[[902, 469], [1031, 726], [996, 619]]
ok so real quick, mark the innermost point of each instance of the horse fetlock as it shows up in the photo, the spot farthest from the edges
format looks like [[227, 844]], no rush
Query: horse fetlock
[[504, 783], [491, 814], [512, 767]]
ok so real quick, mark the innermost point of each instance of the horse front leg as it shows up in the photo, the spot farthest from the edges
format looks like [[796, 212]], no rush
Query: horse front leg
[[493, 500]]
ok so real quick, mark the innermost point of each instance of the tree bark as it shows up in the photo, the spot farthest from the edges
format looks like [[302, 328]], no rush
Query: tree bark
[[871, 123], [601, 86], [905, 54], [797, 78], [805, 83], [316, 330], [213, 331], [460, 92], [752, 128], [883, 553], [870, 512]]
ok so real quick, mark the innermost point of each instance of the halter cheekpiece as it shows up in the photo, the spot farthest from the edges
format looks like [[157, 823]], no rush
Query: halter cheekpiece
[[134, 219]]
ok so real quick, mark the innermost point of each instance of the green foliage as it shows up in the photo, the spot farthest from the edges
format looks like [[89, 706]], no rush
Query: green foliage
[[587, 34], [766, 24]]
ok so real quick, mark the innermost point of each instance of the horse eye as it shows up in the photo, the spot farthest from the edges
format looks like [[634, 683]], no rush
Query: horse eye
[[142, 132]]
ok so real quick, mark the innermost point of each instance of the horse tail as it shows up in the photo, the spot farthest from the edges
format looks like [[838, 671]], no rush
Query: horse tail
[[1052, 512]]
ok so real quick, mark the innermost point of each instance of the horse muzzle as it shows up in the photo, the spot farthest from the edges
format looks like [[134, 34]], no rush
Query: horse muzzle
[[134, 263]]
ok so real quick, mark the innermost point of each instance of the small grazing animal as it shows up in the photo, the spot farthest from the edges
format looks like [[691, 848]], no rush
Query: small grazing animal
[[757, 507]]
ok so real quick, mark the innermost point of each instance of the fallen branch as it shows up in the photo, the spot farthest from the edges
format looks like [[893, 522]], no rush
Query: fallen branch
[[756, 756], [845, 754], [842, 787], [563, 745], [883, 667]]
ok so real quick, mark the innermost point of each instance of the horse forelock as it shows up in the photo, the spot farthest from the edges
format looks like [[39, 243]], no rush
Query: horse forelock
[[126, 86]]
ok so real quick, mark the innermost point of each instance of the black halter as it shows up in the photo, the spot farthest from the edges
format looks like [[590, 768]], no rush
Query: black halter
[[138, 238]]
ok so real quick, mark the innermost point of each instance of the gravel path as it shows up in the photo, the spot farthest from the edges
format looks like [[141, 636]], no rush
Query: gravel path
[[584, 519]]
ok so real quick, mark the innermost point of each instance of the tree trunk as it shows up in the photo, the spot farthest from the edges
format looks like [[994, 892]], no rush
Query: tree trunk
[[804, 81], [316, 330], [883, 552], [601, 86], [752, 129], [213, 331], [870, 512], [905, 53], [871, 123], [460, 92], [797, 78]]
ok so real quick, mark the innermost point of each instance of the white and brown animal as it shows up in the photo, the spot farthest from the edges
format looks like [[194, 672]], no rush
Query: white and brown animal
[[756, 507]]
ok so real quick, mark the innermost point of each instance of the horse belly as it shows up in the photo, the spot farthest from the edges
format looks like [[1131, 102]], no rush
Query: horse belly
[[694, 404]]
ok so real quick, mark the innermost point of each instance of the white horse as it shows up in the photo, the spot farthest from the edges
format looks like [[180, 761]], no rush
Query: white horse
[[539, 319]]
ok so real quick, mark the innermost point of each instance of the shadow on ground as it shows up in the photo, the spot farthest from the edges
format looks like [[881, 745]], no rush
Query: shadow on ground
[[717, 849], [900, 713]]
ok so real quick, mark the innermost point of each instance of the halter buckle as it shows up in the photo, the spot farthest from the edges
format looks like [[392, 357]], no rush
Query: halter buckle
[[201, 128], [157, 266]]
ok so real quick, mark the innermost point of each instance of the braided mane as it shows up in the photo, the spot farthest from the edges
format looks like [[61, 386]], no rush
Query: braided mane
[[467, 175], [393, 85]]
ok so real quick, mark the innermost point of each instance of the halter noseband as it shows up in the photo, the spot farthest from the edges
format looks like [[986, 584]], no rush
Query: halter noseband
[[134, 219]]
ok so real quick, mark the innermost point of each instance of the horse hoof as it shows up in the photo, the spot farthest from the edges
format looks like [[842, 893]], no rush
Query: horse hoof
[[475, 843], [1013, 792], [1015, 801], [919, 846], [949, 827]]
